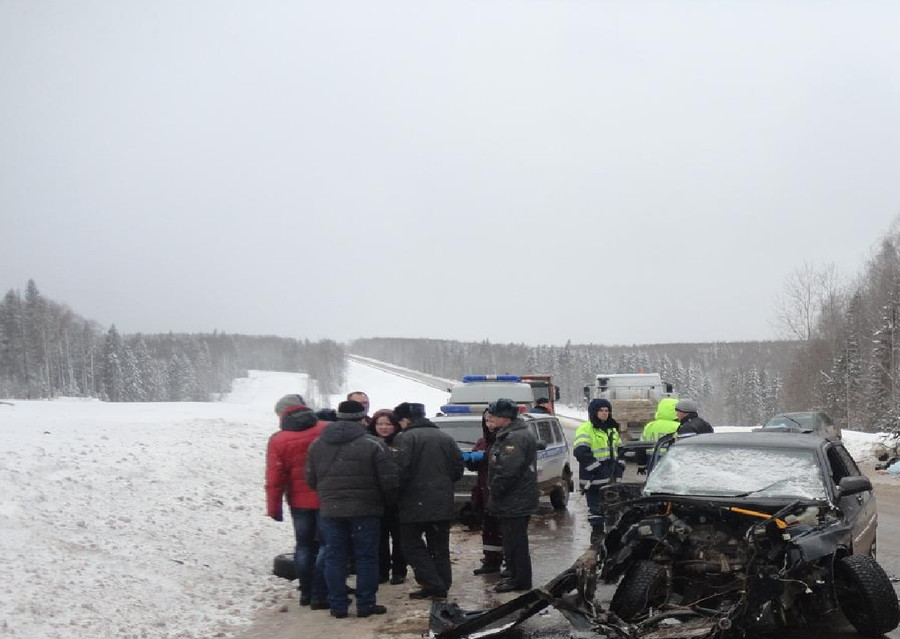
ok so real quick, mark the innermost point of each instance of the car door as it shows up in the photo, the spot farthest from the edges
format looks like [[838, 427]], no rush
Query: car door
[[859, 509]]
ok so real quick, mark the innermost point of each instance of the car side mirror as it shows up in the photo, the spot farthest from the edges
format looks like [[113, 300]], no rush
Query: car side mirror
[[854, 485], [541, 446]]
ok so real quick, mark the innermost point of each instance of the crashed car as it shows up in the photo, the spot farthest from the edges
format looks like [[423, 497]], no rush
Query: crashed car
[[748, 532]]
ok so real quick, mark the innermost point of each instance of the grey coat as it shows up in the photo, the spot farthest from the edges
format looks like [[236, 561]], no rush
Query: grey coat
[[353, 472]]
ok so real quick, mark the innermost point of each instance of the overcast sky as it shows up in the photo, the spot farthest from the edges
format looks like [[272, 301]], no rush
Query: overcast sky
[[536, 171]]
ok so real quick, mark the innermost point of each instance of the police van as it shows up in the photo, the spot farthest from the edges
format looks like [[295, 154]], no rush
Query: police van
[[554, 473]]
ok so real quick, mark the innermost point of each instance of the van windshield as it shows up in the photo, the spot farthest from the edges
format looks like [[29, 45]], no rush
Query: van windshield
[[464, 432]]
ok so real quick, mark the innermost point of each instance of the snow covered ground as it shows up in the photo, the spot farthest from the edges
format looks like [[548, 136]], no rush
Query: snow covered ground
[[148, 520]]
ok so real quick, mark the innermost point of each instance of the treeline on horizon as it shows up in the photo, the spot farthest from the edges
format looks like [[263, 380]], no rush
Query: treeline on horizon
[[750, 373], [841, 354], [47, 350]]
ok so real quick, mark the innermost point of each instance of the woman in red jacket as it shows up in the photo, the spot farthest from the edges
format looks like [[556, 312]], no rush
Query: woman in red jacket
[[285, 465]]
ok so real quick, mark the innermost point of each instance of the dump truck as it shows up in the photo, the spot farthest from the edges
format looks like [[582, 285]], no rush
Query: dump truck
[[634, 397]]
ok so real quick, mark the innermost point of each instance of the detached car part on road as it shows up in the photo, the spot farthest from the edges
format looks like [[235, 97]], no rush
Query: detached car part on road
[[732, 534]]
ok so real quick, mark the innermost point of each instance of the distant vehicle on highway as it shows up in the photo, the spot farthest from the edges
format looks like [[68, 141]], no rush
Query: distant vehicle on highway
[[815, 422]]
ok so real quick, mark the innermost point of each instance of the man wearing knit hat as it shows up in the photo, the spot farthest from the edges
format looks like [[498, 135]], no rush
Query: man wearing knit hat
[[355, 477], [285, 463], [430, 463]]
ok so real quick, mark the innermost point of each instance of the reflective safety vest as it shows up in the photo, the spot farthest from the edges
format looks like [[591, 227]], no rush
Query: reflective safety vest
[[665, 422], [595, 459]]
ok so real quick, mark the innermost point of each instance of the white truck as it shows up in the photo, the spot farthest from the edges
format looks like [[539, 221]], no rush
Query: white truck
[[633, 397]]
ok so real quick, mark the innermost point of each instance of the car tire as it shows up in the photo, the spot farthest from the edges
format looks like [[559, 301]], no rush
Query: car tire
[[559, 496], [866, 595], [284, 566], [644, 585]]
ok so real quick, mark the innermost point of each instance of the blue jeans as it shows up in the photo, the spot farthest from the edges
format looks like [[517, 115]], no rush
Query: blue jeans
[[309, 554], [337, 533]]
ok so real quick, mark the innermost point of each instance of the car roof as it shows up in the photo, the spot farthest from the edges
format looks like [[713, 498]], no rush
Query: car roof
[[456, 417], [756, 439]]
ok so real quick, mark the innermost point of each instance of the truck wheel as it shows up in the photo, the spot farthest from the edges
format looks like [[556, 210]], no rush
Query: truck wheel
[[559, 497], [644, 585], [284, 567], [866, 595]]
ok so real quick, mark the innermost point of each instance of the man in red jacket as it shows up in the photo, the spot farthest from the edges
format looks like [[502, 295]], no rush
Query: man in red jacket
[[285, 464]]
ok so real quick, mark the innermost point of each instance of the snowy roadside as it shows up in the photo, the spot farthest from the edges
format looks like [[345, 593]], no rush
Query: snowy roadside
[[137, 520], [148, 520]]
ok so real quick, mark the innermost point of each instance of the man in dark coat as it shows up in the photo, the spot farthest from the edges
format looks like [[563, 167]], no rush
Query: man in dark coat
[[430, 463], [355, 477], [514, 490], [686, 411]]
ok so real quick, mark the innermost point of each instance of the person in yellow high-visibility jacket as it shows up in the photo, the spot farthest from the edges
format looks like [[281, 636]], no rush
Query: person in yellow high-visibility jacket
[[596, 448], [665, 423]]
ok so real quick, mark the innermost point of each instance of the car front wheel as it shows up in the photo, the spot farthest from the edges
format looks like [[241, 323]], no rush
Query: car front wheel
[[866, 595], [644, 585]]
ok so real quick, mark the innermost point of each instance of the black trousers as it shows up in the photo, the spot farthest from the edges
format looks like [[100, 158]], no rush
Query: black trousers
[[390, 552], [429, 557], [515, 549]]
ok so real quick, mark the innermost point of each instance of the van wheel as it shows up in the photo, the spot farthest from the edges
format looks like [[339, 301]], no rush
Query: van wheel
[[866, 595], [559, 497], [284, 567]]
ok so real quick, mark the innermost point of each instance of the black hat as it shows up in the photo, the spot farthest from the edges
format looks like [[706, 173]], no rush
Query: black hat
[[504, 408], [410, 411], [351, 411], [327, 414]]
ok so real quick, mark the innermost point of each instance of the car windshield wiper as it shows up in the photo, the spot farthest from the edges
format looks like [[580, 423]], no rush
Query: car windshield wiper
[[759, 490]]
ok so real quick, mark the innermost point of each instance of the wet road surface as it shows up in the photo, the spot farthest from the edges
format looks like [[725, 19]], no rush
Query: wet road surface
[[556, 539]]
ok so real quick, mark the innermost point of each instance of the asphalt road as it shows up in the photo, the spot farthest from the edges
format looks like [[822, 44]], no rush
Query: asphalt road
[[557, 539]]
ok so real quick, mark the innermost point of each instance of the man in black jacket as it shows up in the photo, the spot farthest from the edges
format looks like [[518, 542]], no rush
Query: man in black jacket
[[686, 411], [430, 463], [355, 477], [514, 490]]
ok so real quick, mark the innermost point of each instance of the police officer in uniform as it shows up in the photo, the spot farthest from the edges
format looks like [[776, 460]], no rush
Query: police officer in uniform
[[596, 447], [512, 474]]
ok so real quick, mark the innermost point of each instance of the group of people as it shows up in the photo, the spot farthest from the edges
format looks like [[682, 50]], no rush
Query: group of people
[[597, 444], [378, 492]]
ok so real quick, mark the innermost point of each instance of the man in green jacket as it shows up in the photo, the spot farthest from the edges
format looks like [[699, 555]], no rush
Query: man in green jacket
[[665, 423]]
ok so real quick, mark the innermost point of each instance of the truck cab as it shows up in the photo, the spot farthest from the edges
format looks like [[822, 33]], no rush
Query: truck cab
[[633, 396]]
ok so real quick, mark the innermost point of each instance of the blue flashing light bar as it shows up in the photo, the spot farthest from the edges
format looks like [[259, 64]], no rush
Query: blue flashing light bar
[[462, 409], [491, 378]]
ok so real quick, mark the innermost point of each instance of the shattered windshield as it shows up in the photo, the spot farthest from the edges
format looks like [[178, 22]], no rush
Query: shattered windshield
[[719, 471]]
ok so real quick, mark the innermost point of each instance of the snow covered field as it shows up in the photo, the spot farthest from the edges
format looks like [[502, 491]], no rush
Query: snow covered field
[[148, 520]]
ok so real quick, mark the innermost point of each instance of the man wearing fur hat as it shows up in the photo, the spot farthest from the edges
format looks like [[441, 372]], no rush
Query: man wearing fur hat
[[596, 447], [285, 462], [355, 477], [512, 477], [430, 463]]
